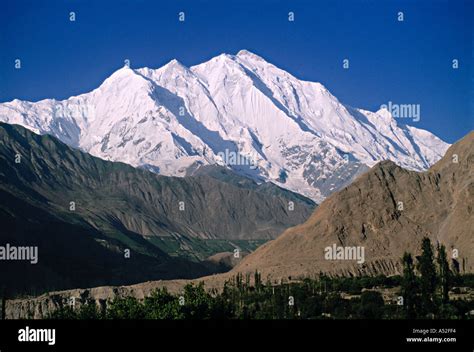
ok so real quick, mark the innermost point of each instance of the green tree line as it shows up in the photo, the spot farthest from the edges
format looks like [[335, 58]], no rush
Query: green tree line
[[422, 291]]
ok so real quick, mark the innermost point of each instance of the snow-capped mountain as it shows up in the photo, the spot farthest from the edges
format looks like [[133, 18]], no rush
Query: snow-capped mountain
[[236, 110]]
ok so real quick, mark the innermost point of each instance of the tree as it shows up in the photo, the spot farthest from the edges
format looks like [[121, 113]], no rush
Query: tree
[[258, 280], [63, 313], [199, 304], [409, 286], [429, 279], [162, 305], [371, 305], [445, 274], [125, 308], [88, 311]]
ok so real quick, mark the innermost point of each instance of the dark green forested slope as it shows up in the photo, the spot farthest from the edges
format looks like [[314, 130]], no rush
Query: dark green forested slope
[[116, 207]]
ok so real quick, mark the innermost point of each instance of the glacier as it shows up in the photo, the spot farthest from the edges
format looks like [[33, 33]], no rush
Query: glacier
[[174, 119]]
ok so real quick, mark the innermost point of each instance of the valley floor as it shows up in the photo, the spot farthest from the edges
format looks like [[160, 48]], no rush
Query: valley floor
[[249, 298]]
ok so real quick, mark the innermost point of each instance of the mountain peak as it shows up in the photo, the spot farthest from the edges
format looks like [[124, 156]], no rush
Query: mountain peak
[[387, 165], [384, 113], [238, 103], [123, 72], [174, 64], [173, 67], [124, 69], [248, 54], [223, 56], [126, 80]]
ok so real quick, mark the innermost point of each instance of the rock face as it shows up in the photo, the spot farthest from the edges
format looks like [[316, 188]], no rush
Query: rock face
[[115, 195], [83, 213], [39, 307], [387, 211]]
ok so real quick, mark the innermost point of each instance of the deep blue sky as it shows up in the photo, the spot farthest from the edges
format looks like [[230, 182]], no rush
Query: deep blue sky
[[407, 62]]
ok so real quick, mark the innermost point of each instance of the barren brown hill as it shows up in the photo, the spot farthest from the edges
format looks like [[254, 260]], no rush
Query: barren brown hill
[[387, 211]]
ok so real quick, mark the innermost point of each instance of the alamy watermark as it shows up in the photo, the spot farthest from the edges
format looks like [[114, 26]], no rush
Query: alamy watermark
[[403, 111], [74, 110], [335, 252], [37, 335], [236, 159], [23, 253]]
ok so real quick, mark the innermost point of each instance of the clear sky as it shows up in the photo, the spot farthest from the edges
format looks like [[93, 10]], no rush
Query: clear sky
[[407, 62]]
